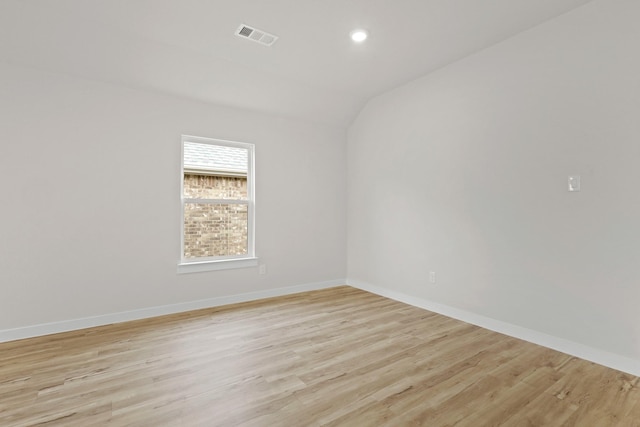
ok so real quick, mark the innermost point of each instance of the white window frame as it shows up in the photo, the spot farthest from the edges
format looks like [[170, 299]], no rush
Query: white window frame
[[192, 265]]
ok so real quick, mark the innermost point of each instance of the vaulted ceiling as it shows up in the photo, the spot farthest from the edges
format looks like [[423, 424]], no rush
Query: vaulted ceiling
[[314, 71]]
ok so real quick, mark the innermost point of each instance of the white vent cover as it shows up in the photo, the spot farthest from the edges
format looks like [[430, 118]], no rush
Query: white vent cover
[[258, 36]]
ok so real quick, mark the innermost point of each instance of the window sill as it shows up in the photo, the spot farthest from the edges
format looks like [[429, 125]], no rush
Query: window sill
[[224, 264]]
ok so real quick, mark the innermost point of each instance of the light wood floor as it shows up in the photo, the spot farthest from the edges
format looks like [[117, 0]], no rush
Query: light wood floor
[[339, 357]]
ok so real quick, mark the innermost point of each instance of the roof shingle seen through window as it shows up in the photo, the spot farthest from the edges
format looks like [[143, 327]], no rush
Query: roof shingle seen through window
[[214, 157]]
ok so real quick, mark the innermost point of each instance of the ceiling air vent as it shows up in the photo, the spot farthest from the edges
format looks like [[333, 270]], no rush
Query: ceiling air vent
[[258, 36]]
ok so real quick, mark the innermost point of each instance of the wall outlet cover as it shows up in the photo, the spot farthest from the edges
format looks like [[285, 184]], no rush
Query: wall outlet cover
[[574, 183]]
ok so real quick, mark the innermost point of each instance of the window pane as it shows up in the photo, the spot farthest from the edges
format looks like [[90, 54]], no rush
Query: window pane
[[215, 158], [215, 230], [214, 187]]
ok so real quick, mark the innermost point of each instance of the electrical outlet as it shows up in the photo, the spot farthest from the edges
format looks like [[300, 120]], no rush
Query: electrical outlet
[[432, 276], [574, 183], [263, 269]]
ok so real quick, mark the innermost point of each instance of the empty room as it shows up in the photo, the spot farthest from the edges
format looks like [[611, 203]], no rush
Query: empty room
[[319, 213]]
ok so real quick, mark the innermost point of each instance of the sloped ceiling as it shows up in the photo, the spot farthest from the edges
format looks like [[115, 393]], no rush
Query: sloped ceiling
[[314, 72]]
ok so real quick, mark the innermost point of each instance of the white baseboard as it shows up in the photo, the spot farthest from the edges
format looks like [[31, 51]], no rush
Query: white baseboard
[[601, 357], [107, 319]]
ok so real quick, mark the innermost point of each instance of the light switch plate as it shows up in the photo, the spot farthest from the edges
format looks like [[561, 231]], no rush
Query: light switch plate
[[574, 183]]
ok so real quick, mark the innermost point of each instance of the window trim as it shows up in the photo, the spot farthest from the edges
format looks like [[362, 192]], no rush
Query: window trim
[[192, 265]]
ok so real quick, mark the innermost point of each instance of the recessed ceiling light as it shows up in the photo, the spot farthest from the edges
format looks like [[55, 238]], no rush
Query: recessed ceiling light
[[359, 36]]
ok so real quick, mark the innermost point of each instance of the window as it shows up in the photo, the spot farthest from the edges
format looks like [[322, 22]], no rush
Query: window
[[217, 195]]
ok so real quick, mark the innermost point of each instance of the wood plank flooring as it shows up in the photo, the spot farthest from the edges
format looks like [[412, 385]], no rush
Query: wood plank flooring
[[336, 357]]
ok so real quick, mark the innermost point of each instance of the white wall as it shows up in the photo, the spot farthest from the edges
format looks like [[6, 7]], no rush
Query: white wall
[[89, 179], [464, 172]]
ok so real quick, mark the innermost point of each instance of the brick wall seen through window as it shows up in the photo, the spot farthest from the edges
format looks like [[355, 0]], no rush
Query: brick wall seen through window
[[212, 230]]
